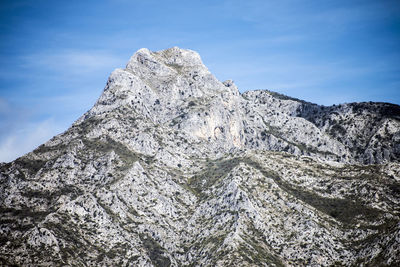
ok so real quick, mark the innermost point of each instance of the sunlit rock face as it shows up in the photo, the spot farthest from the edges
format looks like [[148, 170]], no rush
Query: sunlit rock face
[[172, 167]]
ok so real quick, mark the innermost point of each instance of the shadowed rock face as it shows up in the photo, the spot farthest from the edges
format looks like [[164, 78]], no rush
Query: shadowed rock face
[[172, 167]]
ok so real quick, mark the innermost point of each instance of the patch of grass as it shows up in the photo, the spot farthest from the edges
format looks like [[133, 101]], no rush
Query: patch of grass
[[285, 97], [155, 252], [258, 254], [68, 190], [210, 244], [85, 126], [31, 165], [25, 212], [44, 149], [212, 173], [343, 210]]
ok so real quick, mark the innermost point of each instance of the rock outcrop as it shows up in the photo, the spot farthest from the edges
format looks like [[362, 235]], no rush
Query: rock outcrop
[[172, 167]]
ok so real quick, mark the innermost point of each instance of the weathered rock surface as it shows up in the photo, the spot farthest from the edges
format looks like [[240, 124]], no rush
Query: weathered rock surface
[[172, 167]]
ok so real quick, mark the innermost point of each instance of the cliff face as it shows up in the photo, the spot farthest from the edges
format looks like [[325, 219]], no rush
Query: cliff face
[[172, 167]]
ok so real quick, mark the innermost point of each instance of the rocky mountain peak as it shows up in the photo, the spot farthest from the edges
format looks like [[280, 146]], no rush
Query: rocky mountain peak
[[167, 77], [173, 88], [174, 57], [172, 167]]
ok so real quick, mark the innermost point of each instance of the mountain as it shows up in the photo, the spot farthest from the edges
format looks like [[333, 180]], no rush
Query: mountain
[[172, 167]]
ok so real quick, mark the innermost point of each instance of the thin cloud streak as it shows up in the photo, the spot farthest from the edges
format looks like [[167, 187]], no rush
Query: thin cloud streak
[[76, 62], [21, 141]]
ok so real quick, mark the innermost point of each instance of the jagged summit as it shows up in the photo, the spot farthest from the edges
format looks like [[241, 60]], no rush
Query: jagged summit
[[172, 167], [173, 57], [173, 88], [169, 75]]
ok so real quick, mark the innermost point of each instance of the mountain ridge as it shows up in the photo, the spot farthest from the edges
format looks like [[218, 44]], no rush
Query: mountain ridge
[[172, 167]]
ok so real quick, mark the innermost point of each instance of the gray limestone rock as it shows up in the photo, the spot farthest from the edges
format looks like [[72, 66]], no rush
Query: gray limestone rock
[[172, 167]]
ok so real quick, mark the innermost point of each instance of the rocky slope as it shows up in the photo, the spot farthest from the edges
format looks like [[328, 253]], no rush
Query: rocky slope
[[171, 167]]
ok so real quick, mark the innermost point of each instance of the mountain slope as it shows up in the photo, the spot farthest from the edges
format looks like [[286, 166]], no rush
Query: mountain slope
[[366, 133], [173, 168]]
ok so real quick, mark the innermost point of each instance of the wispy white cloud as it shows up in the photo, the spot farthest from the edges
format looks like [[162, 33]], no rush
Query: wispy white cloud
[[72, 92], [73, 61], [21, 141]]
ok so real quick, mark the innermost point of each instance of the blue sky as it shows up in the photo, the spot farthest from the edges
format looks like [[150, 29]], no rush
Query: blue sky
[[56, 55]]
